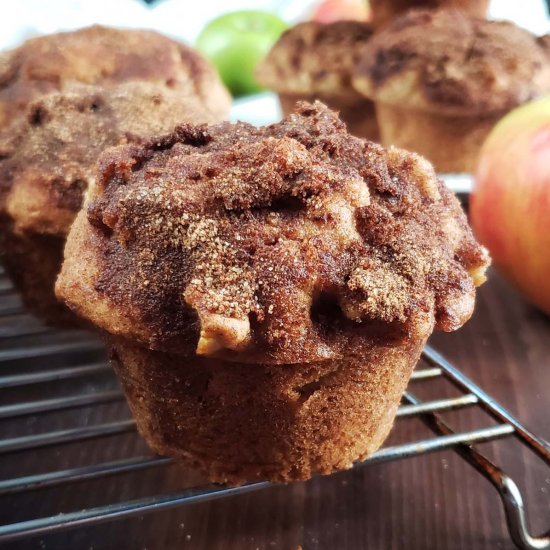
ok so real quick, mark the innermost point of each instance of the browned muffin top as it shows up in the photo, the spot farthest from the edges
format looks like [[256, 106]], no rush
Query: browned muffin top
[[447, 61], [101, 55], [384, 11], [48, 158], [315, 58], [280, 244]]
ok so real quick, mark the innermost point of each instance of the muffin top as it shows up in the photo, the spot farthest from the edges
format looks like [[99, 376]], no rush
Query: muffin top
[[383, 11], [446, 61], [315, 58], [281, 244], [102, 55], [48, 157]]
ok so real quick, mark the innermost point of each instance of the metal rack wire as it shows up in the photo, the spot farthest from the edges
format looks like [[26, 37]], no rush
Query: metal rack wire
[[53, 348]]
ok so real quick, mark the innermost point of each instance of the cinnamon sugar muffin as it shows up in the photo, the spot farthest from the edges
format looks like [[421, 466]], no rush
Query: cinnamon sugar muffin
[[47, 160], [441, 80], [267, 292], [384, 11], [315, 61], [51, 132], [106, 56]]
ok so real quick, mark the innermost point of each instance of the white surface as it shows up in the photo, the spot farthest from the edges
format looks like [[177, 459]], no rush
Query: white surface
[[258, 109], [459, 183], [530, 14], [184, 19]]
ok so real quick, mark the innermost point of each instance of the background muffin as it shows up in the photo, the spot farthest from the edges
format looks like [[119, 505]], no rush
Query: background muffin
[[384, 11], [107, 56], [64, 98], [316, 61], [47, 161], [267, 292], [441, 80]]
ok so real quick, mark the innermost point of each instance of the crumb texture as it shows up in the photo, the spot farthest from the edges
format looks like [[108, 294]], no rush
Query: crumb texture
[[447, 61], [281, 244]]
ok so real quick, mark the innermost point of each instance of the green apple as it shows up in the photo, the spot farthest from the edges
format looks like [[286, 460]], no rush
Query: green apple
[[236, 42]]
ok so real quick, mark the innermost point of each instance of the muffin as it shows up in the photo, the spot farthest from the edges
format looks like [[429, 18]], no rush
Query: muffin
[[440, 81], [384, 11], [106, 56], [316, 61], [266, 293], [47, 160]]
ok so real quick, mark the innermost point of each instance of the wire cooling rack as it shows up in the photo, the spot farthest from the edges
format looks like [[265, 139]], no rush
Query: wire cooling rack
[[34, 356]]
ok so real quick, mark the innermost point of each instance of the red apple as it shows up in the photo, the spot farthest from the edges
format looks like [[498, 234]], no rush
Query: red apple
[[329, 11], [510, 206]]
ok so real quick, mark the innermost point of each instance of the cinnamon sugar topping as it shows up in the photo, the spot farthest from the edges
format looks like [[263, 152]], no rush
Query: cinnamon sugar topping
[[313, 58], [50, 156], [279, 244], [447, 61]]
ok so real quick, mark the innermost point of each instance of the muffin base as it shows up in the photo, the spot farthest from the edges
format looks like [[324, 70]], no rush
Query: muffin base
[[242, 422], [451, 143], [384, 11], [358, 113], [33, 261]]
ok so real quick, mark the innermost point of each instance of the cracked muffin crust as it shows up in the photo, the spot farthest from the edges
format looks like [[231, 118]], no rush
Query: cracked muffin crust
[[47, 160], [384, 11], [225, 238], [105, 56], [316, 61], [266, 292], [441, 79]]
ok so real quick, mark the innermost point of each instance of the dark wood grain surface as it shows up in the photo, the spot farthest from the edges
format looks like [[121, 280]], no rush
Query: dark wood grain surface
[[430, 502]]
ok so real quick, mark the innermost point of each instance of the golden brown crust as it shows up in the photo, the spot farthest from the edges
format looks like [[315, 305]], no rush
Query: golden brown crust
[[239, 423], [106, 56], [315, 58], [447, 62], [384, 11], [284, 244], [48, 158]]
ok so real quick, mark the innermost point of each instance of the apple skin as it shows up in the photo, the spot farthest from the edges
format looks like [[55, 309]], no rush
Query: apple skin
[[235, 42], [510, 206], [329, 11]]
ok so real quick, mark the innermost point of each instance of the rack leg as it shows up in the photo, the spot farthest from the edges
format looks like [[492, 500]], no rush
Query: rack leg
[[508, 491]]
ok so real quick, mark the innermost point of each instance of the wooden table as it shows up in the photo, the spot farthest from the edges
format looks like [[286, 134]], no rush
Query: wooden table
[[427, 503]]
